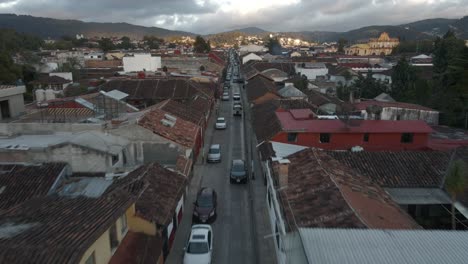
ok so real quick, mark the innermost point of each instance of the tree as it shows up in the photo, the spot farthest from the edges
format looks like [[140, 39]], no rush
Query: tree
[[153, 42], [367, 87], [125, 43], [403, 80], [201, 46], [164, 69], [456, 183], [106, 44], [202, 68], [274, 46], [301, 83], [341, 44]]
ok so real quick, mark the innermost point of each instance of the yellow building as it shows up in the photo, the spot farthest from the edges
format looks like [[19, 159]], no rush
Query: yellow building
[[383, 45]]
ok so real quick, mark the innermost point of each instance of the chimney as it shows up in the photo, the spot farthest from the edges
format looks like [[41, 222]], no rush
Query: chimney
[[283, 171]]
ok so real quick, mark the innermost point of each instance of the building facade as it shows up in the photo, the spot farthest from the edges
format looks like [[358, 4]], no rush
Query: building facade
[[383, 45]]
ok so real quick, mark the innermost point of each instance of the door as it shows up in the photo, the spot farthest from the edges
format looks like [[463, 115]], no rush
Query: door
[[5, 109]]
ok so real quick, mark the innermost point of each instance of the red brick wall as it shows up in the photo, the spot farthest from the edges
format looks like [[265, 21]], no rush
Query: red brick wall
[[377, 141]]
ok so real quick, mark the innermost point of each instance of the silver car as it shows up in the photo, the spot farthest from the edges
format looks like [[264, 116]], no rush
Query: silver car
[[214, 153], [225, 96], [220, 123]]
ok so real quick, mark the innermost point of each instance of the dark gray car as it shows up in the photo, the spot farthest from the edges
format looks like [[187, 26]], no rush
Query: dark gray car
[[238, 172]]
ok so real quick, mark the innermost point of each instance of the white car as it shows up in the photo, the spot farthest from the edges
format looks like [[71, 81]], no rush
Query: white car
[[236, 96], [199, 245], [225, 96], [220, 123]]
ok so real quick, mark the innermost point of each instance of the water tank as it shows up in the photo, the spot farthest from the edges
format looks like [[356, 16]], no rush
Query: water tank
[[40, 96], [49, 94]]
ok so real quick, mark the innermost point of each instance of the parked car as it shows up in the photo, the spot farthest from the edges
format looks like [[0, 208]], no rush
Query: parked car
[[199, 246], [238, 171], [225, 96], [205, 206], [236, 105], [236, 96], [214, 153], [220, 123]]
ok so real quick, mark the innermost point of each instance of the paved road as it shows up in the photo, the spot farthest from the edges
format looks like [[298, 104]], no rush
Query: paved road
[[233, 237], [242, 221]]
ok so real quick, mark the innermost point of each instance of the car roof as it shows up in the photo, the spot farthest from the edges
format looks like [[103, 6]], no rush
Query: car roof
[[237, 161], [214, 146], [206, 190], [220, 118]]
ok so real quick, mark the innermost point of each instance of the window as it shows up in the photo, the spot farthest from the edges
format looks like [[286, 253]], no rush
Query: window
[[366, 137], [114, 242], [407, 137], [398, 117], [325, 137], [91, 259], [115, 159], [123, 223], [209, 239], [292, 137]]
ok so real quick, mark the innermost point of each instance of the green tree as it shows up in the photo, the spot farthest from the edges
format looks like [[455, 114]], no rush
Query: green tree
[[456, 183], [274, 46], [106, 44], [367, 87], [341, 44], [153, 42], [201, 46], [403, 80], [202, 68], [450, 69], [125, 43], [301, 83]]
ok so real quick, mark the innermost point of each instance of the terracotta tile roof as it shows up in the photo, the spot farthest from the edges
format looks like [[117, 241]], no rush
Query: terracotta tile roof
[[365, 103], [158, 202], [183, 111], [57, 229], [318, 99], [138, 248], [286, 67], [50, 80], [152, 89], [321, 192], [21, 183], [183, 132], [54, 115], [264, 120], [406, 169], [258, 86]]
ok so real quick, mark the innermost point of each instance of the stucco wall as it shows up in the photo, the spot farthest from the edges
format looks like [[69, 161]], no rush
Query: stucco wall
[[7, 129], [140, 62], [101, 248], [393, 113], [312, 73], [15, 103]]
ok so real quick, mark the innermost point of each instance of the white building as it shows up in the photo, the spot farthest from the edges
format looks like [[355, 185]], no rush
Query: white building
[[251, 48], [11, 101], [251, 56], [311, 70], [141, 62]]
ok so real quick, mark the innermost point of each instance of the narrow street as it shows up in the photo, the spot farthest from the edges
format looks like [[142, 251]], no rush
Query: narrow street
[[241, 221]]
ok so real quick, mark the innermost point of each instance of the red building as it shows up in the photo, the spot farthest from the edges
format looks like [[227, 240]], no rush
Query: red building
[[298, 127]]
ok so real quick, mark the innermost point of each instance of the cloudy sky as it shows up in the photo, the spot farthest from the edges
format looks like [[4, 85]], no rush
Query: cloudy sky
[[210, 16]]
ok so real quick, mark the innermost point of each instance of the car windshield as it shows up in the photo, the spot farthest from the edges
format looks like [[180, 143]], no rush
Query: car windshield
[[238, 167], [197, 248], [213, 151], [204, 201], [220, 121]]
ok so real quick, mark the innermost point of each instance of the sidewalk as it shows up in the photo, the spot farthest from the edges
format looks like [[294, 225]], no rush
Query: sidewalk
[[183, 231]]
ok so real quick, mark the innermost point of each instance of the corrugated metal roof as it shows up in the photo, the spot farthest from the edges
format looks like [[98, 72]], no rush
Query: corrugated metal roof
[[418, 195], [360, 246], [283, 150]]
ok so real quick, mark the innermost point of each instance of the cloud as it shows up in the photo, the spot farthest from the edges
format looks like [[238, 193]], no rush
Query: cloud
[[210, 16]]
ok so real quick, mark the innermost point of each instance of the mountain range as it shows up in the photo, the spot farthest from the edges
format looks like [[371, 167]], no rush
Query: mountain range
[[56, 28]]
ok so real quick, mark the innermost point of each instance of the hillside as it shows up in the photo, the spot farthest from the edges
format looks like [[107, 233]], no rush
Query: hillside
[[56, 28], [435, 27], [251, 31]]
